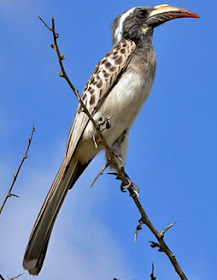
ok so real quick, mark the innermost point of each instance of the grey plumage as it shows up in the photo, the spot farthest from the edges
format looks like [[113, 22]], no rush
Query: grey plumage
[[115, 92]]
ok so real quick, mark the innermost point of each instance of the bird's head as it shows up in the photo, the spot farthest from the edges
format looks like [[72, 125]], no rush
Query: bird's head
[[139, 22]]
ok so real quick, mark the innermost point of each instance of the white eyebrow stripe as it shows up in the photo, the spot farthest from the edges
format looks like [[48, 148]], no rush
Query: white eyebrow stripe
[[118, 32]]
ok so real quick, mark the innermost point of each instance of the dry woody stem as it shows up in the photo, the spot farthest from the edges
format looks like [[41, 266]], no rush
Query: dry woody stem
[[15, 175], [127, 183], [1, 277]]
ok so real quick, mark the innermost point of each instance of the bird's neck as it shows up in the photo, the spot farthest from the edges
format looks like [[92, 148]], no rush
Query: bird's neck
[[145, 59], [145, 41]]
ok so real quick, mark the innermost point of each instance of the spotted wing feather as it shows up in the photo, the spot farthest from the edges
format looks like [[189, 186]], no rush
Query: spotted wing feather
[[97, 87]]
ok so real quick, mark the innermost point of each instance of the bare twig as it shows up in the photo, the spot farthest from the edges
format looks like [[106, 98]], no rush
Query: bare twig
[[127, 183], [152, 273], [9, 194], [2, 278], [16, 276], [99, 174]]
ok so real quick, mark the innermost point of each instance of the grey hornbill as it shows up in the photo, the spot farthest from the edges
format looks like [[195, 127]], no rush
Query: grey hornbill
[[116, 91]]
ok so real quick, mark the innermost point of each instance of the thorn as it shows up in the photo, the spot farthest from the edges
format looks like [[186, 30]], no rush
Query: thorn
[[161, 234], [62, 57], [11, 194], [136, 193], [139, 227]]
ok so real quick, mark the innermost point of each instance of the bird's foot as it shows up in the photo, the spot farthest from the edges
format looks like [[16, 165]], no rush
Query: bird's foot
[[131, 187], [103, 123]]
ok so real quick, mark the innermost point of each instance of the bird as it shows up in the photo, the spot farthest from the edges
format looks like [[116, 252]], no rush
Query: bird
[[113, 95]]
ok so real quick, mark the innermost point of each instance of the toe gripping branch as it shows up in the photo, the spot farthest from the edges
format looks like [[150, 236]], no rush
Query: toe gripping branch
[[127, 184]]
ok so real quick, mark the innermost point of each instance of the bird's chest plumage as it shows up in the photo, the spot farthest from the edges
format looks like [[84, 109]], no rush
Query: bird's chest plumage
[[127, 97]]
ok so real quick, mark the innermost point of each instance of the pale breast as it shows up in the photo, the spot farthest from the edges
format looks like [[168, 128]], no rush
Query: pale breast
[[124, 103], [126, 98]]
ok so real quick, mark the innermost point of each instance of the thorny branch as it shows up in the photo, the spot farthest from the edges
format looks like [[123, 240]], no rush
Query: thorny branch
[[121, 174], [9, 194]]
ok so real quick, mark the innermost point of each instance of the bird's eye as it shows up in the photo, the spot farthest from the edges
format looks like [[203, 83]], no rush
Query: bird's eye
[[143, 13]]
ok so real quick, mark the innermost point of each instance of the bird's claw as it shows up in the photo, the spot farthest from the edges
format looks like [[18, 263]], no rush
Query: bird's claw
[[103, 123], [127, 184], [134, 191], [123, 188]]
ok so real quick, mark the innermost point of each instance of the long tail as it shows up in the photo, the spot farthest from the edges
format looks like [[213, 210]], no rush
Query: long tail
[[39, 238]]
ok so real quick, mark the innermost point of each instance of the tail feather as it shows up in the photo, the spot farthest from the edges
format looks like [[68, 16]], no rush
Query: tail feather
[[39, 238]]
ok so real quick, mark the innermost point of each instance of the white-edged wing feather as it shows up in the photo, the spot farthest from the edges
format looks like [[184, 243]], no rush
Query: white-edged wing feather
[[98, 86]]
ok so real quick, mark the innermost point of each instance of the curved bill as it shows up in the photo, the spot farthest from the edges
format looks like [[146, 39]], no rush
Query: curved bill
[[163, 13]]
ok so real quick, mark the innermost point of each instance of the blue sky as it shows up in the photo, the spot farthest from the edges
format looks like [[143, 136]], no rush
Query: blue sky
[[172, 150]]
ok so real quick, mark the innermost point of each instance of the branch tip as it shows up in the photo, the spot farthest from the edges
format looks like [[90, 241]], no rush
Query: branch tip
[[152, 273]]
